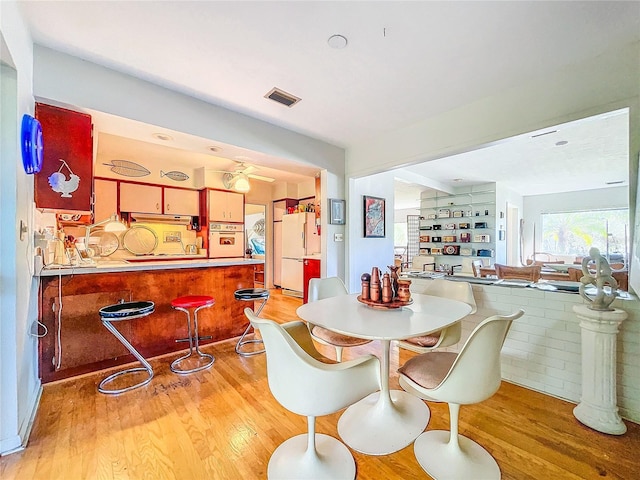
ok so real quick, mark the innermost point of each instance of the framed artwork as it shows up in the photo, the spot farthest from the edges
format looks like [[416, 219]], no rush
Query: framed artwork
[[336, 211], [374, 217]]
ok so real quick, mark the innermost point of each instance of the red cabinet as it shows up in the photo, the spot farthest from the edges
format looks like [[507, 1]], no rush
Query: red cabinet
[[65, 181], [310, 269]]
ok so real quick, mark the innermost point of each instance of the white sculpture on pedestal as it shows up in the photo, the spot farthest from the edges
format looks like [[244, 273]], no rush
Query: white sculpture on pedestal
[[602, 300], [599, 323]]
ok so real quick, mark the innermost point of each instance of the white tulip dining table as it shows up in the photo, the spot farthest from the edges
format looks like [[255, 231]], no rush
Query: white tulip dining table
[[388, 420]]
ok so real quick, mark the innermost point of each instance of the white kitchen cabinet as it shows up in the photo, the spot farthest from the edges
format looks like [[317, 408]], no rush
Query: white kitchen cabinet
[[226, 206], [138, 198], [105, 200], [178, 201]]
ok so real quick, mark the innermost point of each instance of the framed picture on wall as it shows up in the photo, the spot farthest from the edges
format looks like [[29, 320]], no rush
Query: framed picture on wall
[[336, 211], [373, 214]]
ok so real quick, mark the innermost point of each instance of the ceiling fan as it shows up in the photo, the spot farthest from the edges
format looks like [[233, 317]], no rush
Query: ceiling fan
[[239, 179]]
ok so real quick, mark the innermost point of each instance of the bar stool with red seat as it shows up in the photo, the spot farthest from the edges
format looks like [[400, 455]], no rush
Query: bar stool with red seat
[[197, 302]]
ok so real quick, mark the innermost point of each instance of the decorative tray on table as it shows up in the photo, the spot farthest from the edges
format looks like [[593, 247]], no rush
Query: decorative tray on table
[[395, 303]]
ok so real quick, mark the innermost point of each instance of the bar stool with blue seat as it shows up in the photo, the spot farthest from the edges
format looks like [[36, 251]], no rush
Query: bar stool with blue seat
[[197, 303], [251, 295], [117, 313]]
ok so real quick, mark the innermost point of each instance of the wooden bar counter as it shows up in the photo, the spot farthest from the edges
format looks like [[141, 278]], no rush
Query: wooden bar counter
[[76, 342]]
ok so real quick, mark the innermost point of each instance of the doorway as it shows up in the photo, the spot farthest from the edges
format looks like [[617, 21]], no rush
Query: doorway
[[256, 238], [513, 235]]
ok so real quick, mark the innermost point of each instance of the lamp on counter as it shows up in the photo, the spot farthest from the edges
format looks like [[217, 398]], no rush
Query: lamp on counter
[[236, 181], [111, 224]]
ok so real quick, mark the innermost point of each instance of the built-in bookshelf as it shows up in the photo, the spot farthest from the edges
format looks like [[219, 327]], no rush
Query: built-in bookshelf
[[459, 225]]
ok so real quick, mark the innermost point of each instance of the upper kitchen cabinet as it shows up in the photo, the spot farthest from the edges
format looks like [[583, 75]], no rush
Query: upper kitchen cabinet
[[141, 198], [179, 201], [226, 206], [138, 198], [65, 181], [106, 199]]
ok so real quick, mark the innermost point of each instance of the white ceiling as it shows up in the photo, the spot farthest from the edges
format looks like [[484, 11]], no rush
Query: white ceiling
[[404, 61]]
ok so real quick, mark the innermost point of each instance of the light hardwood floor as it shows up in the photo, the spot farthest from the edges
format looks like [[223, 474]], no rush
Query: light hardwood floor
[[223, 423]]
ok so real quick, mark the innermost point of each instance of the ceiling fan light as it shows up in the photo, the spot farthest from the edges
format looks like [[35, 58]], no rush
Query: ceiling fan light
[[241, 183]]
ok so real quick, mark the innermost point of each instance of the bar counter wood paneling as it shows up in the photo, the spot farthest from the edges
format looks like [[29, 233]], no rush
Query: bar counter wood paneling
[[85, 345]]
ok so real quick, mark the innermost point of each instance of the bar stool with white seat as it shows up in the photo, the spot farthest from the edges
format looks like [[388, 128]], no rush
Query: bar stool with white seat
[[197, 303], [117, 313], [251, 295]]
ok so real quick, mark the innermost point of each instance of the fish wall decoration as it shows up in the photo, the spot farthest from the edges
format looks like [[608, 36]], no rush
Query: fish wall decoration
[[175, 175], [127, 168]]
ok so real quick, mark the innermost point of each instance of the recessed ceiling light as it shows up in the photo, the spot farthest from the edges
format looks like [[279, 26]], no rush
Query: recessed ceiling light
[[561, 143], [163, 136], [337, 41]]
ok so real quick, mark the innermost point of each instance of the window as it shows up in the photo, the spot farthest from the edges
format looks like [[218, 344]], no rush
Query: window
[[574, 233], [400, 234]]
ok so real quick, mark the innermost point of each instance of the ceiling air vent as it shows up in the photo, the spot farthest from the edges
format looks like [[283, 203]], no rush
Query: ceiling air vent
[[282, 97]]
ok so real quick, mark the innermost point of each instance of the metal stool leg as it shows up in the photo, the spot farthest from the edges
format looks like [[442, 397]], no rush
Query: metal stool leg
[[146, 367], [193, 339], [242, 342]]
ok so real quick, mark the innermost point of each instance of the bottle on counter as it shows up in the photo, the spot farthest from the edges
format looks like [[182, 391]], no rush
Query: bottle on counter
[[387, 291], [366, 281], [374, 288]]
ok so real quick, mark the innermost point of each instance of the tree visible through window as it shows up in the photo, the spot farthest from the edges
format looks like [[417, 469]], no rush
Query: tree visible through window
[[574, 233]]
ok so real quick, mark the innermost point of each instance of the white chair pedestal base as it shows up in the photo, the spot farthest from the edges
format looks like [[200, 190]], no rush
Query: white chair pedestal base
[[332, 460], [383, 422], [441, 460]]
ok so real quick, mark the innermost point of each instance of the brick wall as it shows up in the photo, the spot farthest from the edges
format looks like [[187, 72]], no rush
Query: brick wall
[[542, 349]]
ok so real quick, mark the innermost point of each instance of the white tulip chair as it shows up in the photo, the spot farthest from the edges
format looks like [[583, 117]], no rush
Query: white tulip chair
[[307, 383], [446, 337], [469, 377], [320, 288]]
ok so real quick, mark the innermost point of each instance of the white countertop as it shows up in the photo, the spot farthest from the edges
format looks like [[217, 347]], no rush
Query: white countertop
[[109, 266]]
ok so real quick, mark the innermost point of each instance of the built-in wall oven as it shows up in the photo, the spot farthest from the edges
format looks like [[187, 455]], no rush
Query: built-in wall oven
[[226, 240]]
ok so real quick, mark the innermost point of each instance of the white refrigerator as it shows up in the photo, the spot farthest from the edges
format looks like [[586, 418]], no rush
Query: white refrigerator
[[299, 238]]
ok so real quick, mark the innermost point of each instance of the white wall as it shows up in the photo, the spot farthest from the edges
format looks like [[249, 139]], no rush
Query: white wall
[[19, 382], [400, 216], [535, 205], [366, 253], [595, 86], [65, 79], [333, 186]]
